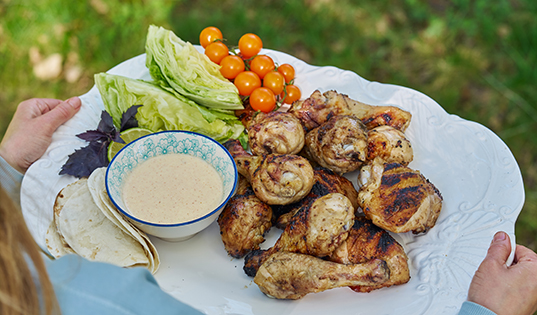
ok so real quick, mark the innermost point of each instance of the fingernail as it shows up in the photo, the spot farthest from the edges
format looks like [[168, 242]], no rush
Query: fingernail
[[74, 102], [499, 237]]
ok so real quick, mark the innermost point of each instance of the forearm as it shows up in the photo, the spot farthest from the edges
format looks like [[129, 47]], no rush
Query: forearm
[[11, 180]]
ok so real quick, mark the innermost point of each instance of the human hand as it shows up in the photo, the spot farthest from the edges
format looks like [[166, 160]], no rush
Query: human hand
[[502, 289], [30, 131]]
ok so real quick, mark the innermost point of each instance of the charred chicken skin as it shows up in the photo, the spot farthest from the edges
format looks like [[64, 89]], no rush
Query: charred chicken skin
[[319, 107], [275, 132], [366, 241], [277, 179], [291, 276], [390, 145], [326, 182], [244, 221], [316, 229], [397, 198], [340, 144]]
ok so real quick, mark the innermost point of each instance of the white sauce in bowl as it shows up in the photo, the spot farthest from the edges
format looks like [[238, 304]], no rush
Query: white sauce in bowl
[[172, 188]]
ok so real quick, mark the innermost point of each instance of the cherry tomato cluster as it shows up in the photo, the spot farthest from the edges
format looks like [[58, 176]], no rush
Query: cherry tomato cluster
[[256, 76]]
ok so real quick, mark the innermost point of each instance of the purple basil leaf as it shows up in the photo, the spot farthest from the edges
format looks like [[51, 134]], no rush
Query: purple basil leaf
[[93, 135], [128, 119], [106, 125], [84, 161]]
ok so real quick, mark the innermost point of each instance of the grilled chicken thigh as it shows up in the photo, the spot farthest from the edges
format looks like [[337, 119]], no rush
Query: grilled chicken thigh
[[389, 144], [275, 132], [318, 108], [316, 229], [244, 221], [276, 179], [326, 182], [397, 198], [291, 276], [340, 144], [366, 241]]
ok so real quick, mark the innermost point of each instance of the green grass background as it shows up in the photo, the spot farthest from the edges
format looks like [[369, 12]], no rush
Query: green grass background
[[476, 58]]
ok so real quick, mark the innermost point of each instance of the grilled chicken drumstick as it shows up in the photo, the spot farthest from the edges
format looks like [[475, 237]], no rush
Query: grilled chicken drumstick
[[277, 179], [318, 108], [389, 144], [291, 276], [340, 144], [316, 229], [397, 198], [244, 221], [367, 241]]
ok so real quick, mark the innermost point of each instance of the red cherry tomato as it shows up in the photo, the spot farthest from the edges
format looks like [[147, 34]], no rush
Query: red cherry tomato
[[262, 64], [246, 82], [216, 51], [274, 81], [292, 93], [263, 99], [209, 35], [231, 66], [288, 72], [250, 45]]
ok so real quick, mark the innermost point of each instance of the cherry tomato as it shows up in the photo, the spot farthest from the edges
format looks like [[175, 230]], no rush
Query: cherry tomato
[[288, 72], [262, 64], [250, 45], [274, 81], [216, 51], [209, 35], [293, 94], [263, 99], [232, 65], [246, 82]]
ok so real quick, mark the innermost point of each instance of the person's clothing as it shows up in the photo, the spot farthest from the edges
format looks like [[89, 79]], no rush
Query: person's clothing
[[86, 287], [471, 308], [11, 180]]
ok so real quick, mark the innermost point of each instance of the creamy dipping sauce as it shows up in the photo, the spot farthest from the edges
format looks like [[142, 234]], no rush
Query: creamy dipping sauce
[[172, 188]]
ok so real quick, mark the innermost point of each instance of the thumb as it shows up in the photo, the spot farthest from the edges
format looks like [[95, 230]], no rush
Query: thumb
[[61, 113], [499, 249]]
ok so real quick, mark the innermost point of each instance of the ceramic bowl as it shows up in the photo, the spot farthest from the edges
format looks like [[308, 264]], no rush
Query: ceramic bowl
[[171, 142]]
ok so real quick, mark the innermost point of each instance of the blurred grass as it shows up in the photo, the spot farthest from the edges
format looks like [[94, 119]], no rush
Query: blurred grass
[[476, 59]]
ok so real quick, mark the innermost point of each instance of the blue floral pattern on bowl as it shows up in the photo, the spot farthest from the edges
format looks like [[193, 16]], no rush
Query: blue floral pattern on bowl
[[169, 142]]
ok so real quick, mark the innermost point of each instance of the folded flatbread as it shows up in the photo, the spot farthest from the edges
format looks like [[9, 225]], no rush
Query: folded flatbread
[[87, 223]]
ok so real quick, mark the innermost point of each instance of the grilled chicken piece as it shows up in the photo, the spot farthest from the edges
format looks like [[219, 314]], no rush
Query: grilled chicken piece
[[367, 241], [340, 144], [291, 276], [244, 221], [390, 145], [397, 198], [317, 229], [318, 108], [274, 132], [277, 179], [326, 182]]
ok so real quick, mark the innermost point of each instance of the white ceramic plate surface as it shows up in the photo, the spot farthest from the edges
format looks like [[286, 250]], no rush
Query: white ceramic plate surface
[[474, 170]]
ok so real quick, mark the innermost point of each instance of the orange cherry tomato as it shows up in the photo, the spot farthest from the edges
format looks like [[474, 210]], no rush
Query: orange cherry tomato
[[263, 99], [246, 82], [288, 72], [262, 64], [250, 45], [291, 94], [274, 81], [231, 66], [216, 51], [209, 35]]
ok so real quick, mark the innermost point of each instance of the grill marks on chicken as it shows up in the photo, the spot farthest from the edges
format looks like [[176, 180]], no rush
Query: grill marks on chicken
[[275, 132], [339, 144], [244, 221], [390, 145], [318, 108], [276, 179], [366, 241], [398, 198], [291, 276], [317, 229]]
